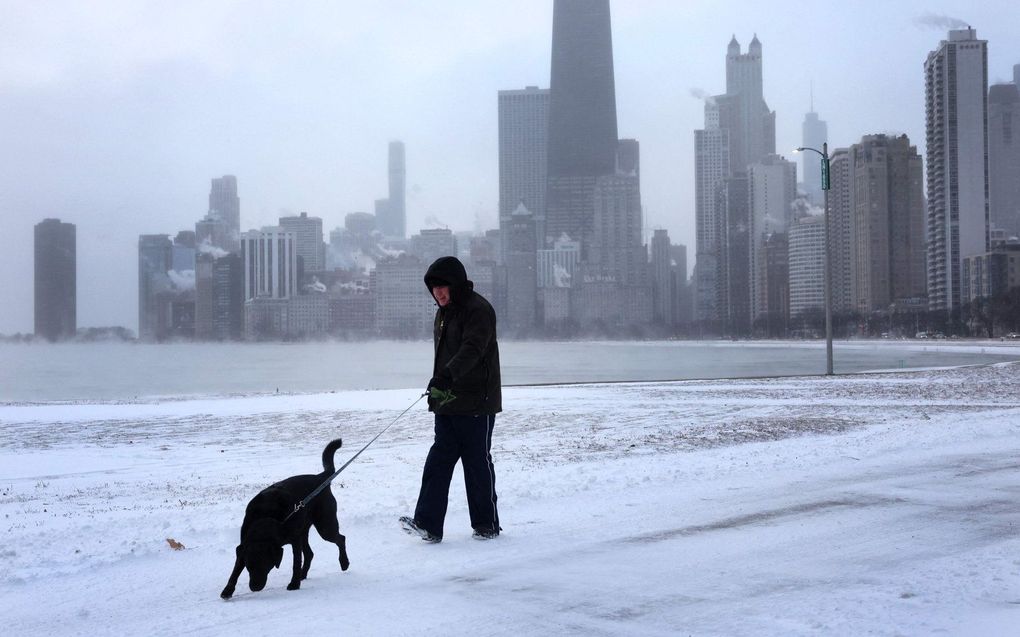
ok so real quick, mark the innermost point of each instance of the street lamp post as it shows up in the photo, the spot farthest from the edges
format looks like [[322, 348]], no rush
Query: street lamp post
[[824, 152]]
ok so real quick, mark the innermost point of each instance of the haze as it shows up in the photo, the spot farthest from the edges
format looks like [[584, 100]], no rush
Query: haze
[[114, 116]]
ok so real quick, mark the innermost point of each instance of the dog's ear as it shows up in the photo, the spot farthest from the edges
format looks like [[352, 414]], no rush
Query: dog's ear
[[279, 556]]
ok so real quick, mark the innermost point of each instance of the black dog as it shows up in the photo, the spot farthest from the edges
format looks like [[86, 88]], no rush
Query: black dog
[[264, 531]]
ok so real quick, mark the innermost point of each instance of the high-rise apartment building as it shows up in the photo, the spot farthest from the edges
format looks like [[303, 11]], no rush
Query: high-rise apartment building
[[841, 230], [521, 260], [155, 260], [523, 152], [773, 317], [391, 213], [56, 287], [1004, 157], [993, 273], [683, 309], [211, 231], [404, 307], [269, 260], [219, 306], [432, 243], [733, 293], [616, 247], [711, 168], [270, 263], [224, 204], [663, 282], [308, 243], [956, 94], [807, 264], [772, 188], [889, 222]]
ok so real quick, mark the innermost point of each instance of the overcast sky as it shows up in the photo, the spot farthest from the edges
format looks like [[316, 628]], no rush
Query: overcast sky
[[114, 116]]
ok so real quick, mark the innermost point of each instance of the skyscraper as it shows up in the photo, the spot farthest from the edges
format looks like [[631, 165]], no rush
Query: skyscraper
[[523, 148], [755, 134], [432, 243], [663, 284], [582, 116], [739, 131], [219, 308], [814, 133], [807, 264], [307, 241], [733, 292], [270, 264], [391, 213], [521, 259], [1004, 157], [616, 246], [523, 155], [224, 204], [772, 187], [956, 94], [155, 260], [841, 230], [56, 287], [269, 261], [711, 167], [888, 215]]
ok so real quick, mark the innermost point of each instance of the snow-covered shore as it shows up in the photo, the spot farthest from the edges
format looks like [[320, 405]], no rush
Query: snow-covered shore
[[871, 504]]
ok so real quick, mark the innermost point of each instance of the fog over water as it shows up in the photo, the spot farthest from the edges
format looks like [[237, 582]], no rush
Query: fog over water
[[116, 371]]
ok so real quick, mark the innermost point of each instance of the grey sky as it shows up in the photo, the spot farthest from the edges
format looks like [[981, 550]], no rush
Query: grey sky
[[114, 116]]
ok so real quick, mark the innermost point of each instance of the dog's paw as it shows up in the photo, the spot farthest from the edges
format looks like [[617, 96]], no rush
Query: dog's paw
[[227, 593], [344, 563], [293, 586]]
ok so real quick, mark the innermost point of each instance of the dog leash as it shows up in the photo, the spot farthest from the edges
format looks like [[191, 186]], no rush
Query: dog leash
[[443, 396]]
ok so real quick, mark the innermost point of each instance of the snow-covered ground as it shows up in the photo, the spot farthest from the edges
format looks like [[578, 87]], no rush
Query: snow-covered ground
[[884, 504]]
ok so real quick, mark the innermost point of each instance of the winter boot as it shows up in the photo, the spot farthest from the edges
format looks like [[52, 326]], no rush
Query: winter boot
[[412, 528], [485, 534]]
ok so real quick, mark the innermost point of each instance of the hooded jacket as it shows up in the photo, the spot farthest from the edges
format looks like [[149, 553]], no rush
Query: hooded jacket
[[464, 336]]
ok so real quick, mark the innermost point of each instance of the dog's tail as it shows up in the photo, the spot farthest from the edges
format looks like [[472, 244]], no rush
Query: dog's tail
[[328, 453]]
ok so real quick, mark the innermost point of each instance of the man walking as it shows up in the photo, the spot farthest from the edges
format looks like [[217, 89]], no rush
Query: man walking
[[465, 397]]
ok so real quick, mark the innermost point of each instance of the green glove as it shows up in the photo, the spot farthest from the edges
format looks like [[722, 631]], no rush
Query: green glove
[[441, 395]]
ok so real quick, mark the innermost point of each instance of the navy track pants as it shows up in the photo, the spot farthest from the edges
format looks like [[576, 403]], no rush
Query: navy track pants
[[468, 439]]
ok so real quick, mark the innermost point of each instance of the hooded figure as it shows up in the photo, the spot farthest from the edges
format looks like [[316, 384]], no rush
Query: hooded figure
[[464, 335], [467, 367]]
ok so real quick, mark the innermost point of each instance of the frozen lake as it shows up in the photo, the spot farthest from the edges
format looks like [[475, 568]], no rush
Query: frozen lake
[[118, 371]]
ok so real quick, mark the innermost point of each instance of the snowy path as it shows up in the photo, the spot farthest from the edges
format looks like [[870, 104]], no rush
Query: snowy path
[[878, 504]]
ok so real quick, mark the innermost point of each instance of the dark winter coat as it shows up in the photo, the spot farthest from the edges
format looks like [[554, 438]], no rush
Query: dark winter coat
[[464, 335]]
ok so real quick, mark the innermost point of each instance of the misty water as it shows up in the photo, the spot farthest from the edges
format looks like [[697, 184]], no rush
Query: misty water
[[122, 371]]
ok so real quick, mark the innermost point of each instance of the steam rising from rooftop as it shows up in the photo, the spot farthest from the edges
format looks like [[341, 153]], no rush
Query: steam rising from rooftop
[[941, 22]]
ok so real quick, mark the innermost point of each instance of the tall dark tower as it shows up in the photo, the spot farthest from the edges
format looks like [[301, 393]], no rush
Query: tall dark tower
[[582, 115], [55, 280]]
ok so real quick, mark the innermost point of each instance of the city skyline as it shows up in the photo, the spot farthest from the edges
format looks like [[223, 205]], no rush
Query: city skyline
[[121, 139]]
